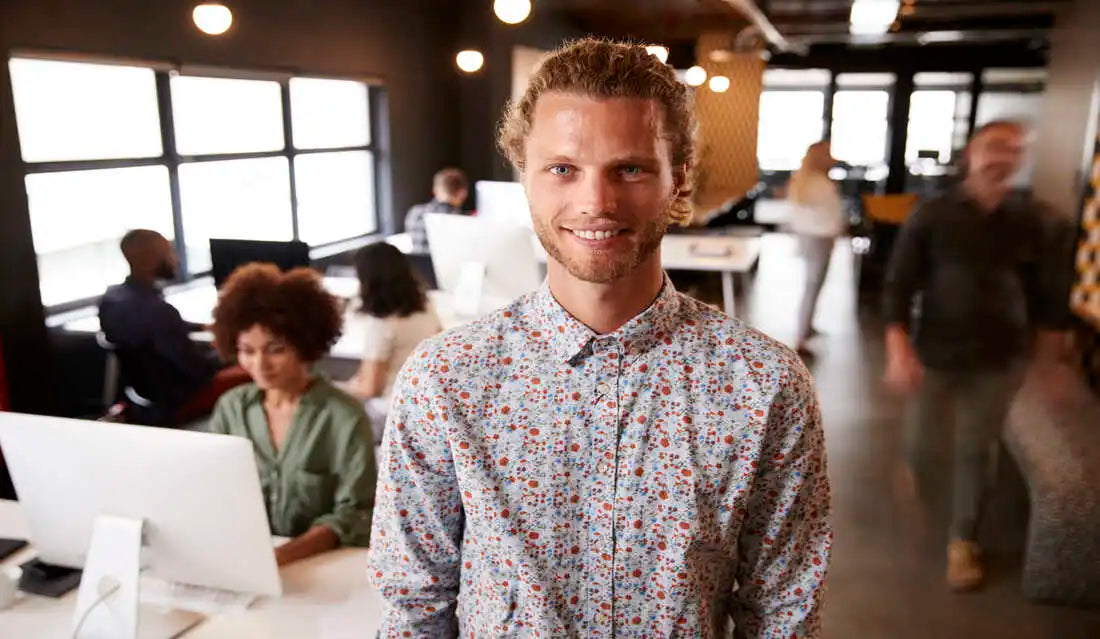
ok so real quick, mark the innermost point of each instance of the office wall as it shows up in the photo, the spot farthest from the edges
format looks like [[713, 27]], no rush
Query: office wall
[[407, 44], [1068, 116], [727, 125]]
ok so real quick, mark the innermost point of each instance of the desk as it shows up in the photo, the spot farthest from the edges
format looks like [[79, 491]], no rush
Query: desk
[[326, 596], [196, 303], [726, 254]]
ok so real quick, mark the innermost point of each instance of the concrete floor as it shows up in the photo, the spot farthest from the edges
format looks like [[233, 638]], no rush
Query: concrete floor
[[886, 576]]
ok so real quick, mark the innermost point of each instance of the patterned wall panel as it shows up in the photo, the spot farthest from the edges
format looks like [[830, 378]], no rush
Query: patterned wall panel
[[727, 123], [1086, 291]]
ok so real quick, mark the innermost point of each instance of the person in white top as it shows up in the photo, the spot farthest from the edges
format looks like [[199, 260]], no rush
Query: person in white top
[[817, 217], [393, 316]]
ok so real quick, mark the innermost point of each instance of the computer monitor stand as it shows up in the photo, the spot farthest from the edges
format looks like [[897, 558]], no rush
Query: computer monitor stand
[[107, 602]]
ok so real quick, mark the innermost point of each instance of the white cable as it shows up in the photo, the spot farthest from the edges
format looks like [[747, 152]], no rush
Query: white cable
[[103, 597]]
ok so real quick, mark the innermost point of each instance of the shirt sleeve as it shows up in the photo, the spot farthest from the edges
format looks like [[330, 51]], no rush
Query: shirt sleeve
[[906, 271], [219, 419], [172, 341], [418, 525], [350, 518], [378, 339], [786, 538]]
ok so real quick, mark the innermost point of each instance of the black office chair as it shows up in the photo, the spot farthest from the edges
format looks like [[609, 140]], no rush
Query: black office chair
[[131, 406], [737, 211]]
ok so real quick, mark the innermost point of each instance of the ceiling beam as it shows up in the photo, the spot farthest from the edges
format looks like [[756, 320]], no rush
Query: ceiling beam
[[797, 27], [787, 10]]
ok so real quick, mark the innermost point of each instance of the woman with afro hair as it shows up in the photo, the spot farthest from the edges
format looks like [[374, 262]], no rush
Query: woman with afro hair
[[312, 441]]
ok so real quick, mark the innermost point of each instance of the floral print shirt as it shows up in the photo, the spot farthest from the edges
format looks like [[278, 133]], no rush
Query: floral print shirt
[[664, 480]]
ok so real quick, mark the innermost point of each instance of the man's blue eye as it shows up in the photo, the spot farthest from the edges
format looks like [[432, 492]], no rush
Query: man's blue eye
[[560, 169], [632, 171]]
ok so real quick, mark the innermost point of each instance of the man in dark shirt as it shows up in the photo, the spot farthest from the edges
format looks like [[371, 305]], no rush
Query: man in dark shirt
[[971, 277], [449, 189], [159, 359]]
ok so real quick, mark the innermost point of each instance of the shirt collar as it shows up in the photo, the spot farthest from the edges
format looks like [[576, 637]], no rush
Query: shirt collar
[[143, 287], [568, 337], [315, 394]]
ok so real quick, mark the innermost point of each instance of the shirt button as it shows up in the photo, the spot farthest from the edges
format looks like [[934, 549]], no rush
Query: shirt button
[[603, 388], [604, 468], [602, 618]]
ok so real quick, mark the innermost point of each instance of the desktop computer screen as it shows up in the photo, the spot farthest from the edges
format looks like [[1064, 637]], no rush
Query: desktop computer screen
[[196, 495], [505, 253], [227, 255]]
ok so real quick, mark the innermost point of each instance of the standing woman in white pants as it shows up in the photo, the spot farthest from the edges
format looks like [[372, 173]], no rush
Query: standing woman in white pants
[[817, 218]]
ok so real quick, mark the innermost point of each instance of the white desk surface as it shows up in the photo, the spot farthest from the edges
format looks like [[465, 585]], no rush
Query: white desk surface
[[196, 304], [729, 253], [326, 597]]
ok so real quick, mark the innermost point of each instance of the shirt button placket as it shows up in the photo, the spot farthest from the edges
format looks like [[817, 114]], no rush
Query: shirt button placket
[[601, 561], [609, 463]]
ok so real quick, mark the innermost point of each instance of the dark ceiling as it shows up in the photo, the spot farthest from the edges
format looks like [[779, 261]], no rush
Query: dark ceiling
[[810, 24]]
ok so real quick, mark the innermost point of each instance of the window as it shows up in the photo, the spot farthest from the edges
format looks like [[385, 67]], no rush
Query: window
[[939, 112], [235, 199], [77, 218], [792, 116], [74, 111], [328, 113], [860, 127], [226, 115], [790, 121], [931, 125], [333, 197], [99, 161], [861, 121]]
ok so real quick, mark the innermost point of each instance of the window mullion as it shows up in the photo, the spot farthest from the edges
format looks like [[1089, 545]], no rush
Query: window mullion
[[172, 161], [288, 150]]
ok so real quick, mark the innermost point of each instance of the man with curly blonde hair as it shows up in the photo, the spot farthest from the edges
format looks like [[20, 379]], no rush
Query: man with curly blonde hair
[[604, 457]]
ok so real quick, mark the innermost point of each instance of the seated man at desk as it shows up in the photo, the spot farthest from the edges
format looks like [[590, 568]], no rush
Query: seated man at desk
[[449, 190], [159, 358], [312, 441]]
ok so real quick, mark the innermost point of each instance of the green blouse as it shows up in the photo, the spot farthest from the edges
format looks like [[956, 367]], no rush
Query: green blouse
[[325, 472]]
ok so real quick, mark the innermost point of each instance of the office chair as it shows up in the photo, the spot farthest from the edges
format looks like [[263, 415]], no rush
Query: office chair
[[133, 403]]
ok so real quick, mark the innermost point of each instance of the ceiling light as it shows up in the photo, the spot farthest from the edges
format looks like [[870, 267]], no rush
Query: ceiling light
[[212, 18], [470, 60], [870, 17], [659, 51], [512, 11], [695, 76], [719, 84]]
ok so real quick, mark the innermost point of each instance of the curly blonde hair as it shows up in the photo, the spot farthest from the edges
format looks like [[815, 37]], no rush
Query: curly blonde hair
[[607, 69]]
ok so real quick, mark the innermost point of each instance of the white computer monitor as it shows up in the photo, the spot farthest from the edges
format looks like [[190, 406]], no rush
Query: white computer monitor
[[507, 253], [195, 498], [504, 202]]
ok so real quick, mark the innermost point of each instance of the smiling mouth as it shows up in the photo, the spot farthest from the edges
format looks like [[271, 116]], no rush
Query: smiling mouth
[[597, 235]]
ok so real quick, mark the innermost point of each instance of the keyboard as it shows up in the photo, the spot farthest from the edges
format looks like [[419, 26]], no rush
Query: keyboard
[[208, 601]]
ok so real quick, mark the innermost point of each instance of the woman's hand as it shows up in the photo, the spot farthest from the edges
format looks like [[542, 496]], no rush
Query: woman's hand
[[314, 541]]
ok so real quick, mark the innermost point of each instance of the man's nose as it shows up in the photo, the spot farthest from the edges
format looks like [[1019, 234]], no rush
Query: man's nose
[[599, 194]]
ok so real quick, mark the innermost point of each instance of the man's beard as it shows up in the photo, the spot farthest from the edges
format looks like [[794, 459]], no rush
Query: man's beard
[[614, 265]]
